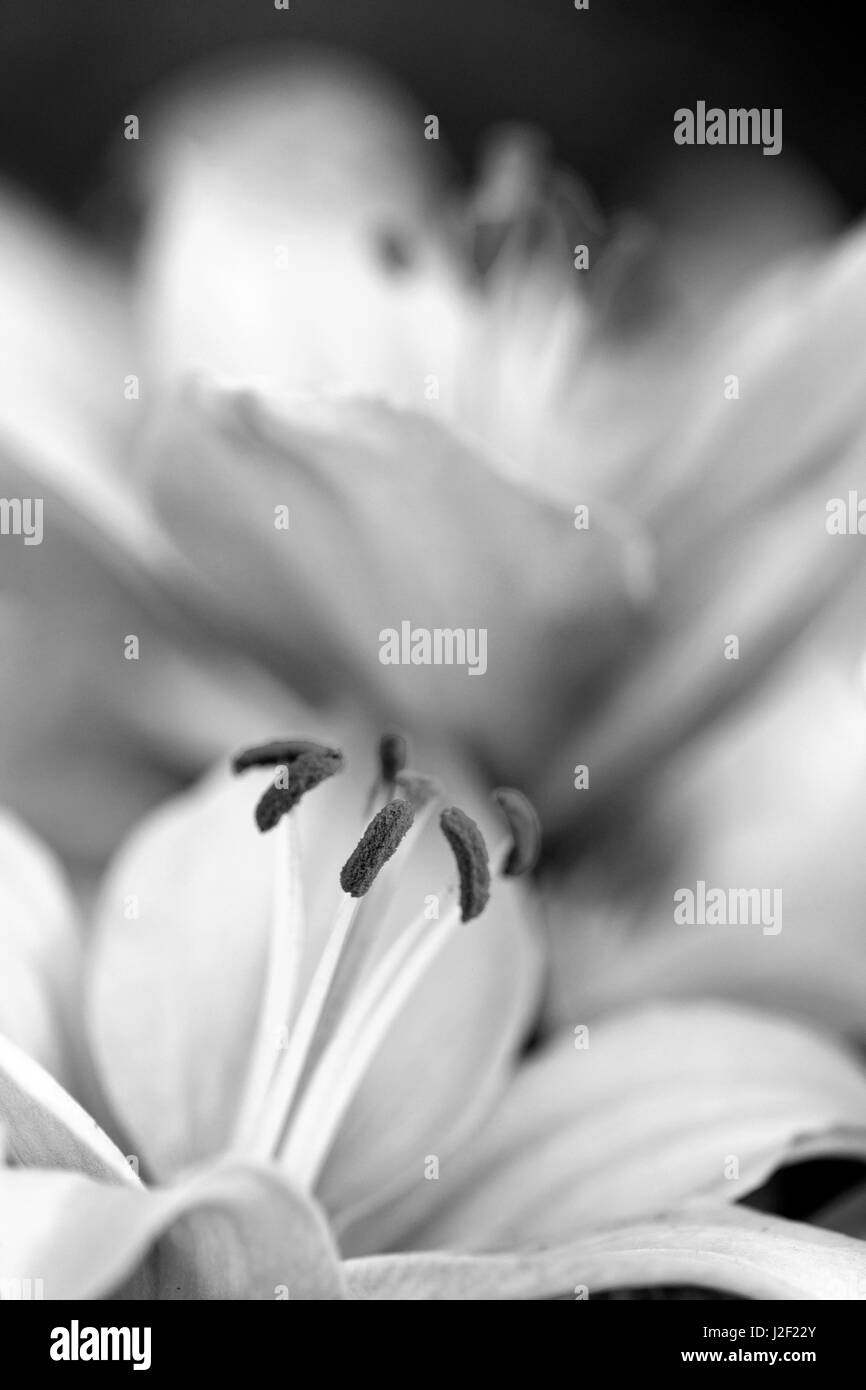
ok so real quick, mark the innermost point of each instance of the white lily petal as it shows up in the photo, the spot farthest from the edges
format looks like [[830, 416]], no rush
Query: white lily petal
[[732, 1250], [177, 967], [228, 1233], [662, 1106], [44, 1126]]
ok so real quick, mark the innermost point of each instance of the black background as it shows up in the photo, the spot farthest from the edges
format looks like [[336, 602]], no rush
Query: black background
[[603, 82]]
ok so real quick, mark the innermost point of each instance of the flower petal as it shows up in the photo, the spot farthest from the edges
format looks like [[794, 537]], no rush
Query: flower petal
[[733, 1250], [230, 1233], [179, 945], [66, 343], [646, 1111], [772, 799], [393, 521], [39, 946], [743, 488], [296, 235], [43, 1126]]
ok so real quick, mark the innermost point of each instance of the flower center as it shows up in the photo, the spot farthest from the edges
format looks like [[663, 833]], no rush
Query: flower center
[[311, 1055]]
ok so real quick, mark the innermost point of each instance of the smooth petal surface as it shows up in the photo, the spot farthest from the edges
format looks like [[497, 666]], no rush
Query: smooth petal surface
[[734, 1250], [43, 1126], [393, 520], [178, 959], [646, 1111], [230, 1233], [297, 235]]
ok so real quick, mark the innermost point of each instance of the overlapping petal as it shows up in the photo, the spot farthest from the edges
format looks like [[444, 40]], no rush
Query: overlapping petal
[[731, 1250], [635, 1115], [236, 1232]]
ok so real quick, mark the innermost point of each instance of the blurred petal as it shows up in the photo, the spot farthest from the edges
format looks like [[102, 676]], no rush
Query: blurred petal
[[66, 345], [39, 947], [777, 799], [43, 1126], [736, 1251], [230, 1233], [393, 519], [727, 534], [294, 234], [83, 726], [661, 1107]]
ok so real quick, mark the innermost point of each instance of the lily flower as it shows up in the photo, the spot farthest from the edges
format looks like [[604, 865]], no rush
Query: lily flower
[[309, 1011]]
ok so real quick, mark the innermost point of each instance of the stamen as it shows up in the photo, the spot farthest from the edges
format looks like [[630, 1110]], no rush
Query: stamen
[[418, 788], [525, 828], [285, 950], [306, 772], [279, 750], [473, 865], [393, 756], [363, 1028], [290, 1069], [380, 840]]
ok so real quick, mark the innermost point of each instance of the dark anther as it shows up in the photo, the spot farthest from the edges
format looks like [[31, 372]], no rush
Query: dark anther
[[393, 756], [279, 750], [473, 865], [525, 830], [375, 847], [304, 773]]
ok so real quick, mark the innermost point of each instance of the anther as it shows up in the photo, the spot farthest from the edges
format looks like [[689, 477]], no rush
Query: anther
[[525, 830], [306, 771], [473, 865], [375, 847], [417, 787], [393, 756], [279, 750]]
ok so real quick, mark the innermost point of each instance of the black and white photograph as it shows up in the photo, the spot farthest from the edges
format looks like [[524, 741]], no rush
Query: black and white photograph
[[432, 667]]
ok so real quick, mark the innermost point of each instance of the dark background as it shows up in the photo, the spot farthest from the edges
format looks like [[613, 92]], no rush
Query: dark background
[[603, 82]]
